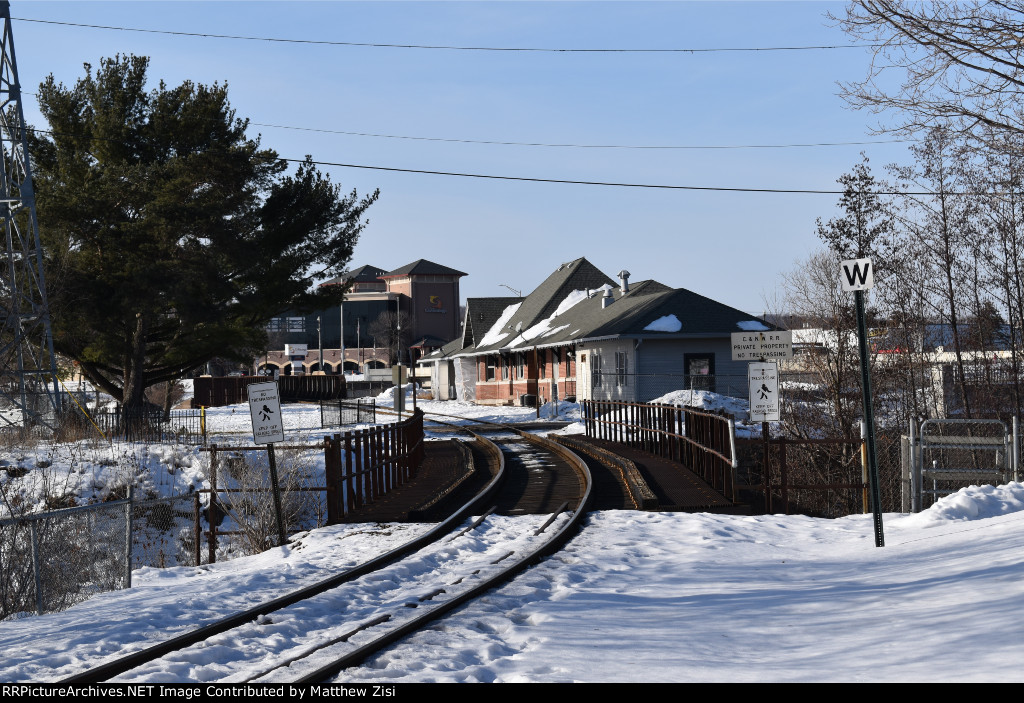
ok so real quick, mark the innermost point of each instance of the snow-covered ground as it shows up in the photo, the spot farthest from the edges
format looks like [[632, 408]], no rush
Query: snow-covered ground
[[635, 597]]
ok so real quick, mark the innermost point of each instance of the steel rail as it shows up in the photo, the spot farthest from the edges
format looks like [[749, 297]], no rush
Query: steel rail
[[558, 539], [552, 545], [105, 672]]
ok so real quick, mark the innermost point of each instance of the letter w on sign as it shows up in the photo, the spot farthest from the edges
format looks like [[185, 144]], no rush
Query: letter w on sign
[[857, 274]]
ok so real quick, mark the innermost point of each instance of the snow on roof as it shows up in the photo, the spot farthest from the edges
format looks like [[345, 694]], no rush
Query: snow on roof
[[494, 335], [752, 326], [577, 296], [543, 328], [668, 323]]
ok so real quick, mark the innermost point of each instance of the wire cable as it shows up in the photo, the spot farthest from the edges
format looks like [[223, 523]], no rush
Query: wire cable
[[582, 146], [377, 45]]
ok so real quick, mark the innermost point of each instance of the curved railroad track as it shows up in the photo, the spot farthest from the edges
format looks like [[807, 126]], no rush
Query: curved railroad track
[[340, 621]]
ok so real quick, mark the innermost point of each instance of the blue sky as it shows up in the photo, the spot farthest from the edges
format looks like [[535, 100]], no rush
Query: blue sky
[[733, 247]]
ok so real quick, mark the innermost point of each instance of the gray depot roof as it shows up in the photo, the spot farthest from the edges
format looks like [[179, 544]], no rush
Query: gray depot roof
[[481, 314], [683, 313]]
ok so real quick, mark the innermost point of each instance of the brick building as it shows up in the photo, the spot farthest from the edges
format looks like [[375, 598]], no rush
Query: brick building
[[428, 293], [582, 335]]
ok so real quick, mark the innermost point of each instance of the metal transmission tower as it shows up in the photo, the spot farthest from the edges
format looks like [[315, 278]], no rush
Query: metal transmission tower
[[28, 368]]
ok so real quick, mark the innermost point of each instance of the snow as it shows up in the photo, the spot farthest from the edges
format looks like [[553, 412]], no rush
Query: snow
[[668, 323], [706, 400], [577, 296], [636, 596], [544, 328], [495, 335], [752, 326]]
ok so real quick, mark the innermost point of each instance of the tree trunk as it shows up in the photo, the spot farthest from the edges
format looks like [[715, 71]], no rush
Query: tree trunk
[[135, 371], [168, 400]]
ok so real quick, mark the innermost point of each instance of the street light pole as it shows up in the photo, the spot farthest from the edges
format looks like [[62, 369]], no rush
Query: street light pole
[[341, 334], [320, 342]]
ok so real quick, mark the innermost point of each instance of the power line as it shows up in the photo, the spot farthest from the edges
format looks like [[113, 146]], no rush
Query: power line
[[496, 142], [581, 146], [565, 181], [795, 191], [325, 42]]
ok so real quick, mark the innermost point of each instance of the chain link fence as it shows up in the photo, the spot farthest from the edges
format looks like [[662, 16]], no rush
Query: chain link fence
[[54, 560], [244, 513]]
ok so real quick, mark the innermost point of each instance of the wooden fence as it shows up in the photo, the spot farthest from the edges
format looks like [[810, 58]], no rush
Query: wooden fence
[[216, 392], [703, 442], [361, 466]]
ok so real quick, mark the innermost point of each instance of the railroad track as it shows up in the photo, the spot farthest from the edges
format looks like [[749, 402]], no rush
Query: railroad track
[[340, 621]]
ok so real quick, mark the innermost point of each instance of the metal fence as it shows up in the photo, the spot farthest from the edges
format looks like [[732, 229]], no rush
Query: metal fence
[[943, 456], [364, 389], [53, 560], [703, 442], [182, 427], [361, 466], [348, 412]]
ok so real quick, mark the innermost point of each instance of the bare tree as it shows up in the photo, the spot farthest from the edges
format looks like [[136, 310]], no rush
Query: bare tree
[[392, 331], [958, 62], [944, 223], [812, 292]]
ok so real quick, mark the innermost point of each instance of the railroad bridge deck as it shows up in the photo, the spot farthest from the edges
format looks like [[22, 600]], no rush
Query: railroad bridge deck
[[444, 483], [674, 487]]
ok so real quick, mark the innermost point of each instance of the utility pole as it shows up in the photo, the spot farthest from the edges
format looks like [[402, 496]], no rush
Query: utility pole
[[29, 390]]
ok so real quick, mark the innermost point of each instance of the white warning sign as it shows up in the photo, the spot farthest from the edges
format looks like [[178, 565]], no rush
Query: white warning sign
[[763, 381], [857, 274], [752, 346], [265, 409]]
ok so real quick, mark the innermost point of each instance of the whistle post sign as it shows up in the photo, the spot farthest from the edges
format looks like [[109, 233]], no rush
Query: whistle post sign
[[857, 274], [265, 409]]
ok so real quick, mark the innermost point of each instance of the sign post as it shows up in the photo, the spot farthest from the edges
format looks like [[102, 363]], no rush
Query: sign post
[[858, 276], [398, 377], [267, 428], [763, 397]]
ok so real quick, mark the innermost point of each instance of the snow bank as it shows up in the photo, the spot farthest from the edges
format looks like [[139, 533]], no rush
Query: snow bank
[[706, 400], [971, 503]]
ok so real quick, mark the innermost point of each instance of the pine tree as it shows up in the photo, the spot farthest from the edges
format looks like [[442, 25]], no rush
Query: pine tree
[[170, 236]]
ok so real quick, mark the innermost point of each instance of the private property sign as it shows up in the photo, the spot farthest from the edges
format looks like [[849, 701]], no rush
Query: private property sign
[[752, 346], [265, 409]]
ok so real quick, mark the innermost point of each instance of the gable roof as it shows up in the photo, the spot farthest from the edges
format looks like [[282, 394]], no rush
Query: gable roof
[[422, 267], [363, 274], [569, 307], [578, 275], [481, 314], [568, 281]]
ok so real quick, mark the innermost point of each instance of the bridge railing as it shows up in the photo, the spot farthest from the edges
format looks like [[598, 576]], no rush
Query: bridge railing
[[703, 442]]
